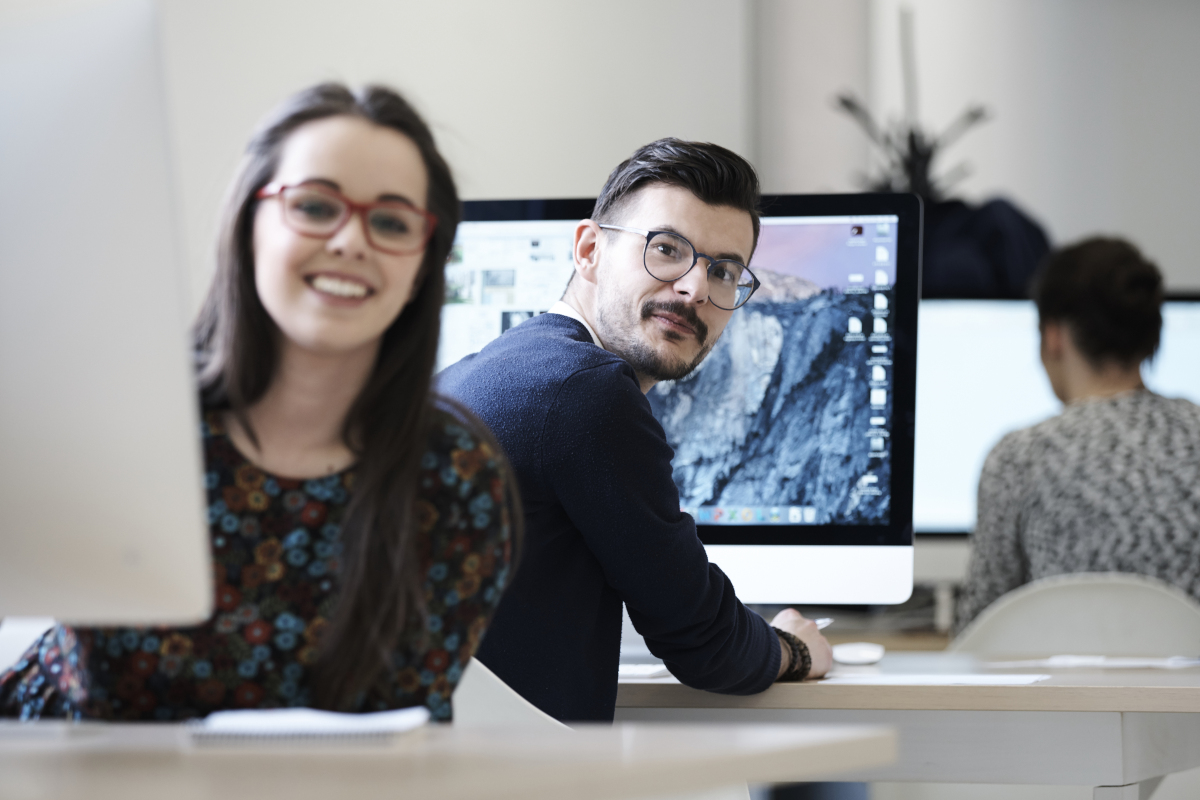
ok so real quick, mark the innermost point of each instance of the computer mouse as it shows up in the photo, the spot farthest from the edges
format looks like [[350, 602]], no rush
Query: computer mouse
[[857, 653]]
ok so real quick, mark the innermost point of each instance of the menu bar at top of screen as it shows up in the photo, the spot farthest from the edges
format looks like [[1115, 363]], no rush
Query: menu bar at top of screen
[[516, 227], [843, 220], [847, 252]]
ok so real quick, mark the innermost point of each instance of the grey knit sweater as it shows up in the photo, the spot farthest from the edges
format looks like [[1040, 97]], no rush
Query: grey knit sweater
[[1109, 485]]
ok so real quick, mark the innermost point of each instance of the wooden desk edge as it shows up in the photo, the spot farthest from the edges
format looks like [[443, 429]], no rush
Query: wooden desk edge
[[1152, 699], [66, 766]]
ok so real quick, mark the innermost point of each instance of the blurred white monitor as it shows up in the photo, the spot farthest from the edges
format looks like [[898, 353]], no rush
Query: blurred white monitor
[[101, 478], [979, 376]]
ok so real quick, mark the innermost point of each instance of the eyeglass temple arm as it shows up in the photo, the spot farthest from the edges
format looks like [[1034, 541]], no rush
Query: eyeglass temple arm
[[641, 231]]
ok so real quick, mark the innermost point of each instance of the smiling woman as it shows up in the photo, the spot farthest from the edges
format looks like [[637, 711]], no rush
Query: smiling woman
[[362, 529]]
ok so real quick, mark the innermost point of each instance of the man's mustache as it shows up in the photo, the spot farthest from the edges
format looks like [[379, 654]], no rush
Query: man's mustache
[[682, 310]]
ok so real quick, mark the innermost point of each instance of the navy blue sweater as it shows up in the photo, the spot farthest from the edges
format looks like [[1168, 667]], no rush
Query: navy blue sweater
[[602, 525]]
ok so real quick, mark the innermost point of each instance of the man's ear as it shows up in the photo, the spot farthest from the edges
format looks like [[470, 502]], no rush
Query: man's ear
[[587, 249]]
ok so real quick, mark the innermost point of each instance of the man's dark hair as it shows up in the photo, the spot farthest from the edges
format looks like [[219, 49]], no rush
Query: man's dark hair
[[717, 176], [1109, 295]]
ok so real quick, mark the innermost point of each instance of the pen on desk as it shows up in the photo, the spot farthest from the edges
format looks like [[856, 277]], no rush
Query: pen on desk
[[823, 622]]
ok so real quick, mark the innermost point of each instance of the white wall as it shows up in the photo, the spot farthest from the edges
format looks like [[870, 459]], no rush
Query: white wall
[[1096, 120], [1095, 126], [805, 53], [528, 98]]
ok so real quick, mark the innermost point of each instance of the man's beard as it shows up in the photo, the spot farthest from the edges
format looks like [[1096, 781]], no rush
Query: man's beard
[[629, 345]]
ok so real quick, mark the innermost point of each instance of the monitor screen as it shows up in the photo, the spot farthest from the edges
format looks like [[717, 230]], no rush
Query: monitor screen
[[788, 420], [501, 273], [796, 429], [979, 376]]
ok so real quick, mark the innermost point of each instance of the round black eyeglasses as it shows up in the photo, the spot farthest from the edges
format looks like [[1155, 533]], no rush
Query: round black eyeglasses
[[668, 257]]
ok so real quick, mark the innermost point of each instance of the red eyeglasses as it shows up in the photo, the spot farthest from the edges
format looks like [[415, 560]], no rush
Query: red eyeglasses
[[392, 226]]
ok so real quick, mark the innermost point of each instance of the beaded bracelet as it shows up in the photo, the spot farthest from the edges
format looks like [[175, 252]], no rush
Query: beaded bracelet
[[801, 659]]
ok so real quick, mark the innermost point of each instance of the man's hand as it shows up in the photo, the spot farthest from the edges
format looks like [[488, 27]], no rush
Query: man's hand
[[805, 630]]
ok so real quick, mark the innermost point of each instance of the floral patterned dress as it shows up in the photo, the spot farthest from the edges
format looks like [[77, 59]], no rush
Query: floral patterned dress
[[275, 547]]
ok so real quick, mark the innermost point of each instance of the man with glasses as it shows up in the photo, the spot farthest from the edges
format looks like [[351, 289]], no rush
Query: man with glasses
[[659, 269]]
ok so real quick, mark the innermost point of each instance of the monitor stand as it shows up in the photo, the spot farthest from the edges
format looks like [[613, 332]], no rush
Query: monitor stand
[[817, 574]]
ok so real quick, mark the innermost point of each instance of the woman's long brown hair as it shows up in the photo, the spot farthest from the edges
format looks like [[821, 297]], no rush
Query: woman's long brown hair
[[387, 426]]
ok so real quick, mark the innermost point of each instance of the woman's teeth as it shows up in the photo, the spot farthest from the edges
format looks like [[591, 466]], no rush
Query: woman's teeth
[[338, 287]]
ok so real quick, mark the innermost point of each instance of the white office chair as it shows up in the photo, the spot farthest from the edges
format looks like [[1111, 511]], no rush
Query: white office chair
[[482, 700], [1101, 613], [1091, 613], [16, 636]]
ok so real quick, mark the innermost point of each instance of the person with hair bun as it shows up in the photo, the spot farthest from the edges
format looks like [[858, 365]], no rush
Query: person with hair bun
[[362, 528], [1112, 484]]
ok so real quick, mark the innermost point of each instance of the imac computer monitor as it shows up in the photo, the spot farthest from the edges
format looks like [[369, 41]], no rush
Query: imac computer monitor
[[101, 482], [979, 376], [793, 439]]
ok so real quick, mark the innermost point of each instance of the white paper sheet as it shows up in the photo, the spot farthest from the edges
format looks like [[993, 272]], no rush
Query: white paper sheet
[[300, 722], [642, 671], [1099, 662], [933, 680]]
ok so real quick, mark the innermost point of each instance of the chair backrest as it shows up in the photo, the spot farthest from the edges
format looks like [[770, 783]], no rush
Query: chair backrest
[[17, 634], [1100, 613], [482, 700]]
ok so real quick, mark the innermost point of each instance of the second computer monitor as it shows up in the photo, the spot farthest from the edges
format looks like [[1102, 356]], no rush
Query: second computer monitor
[[981, 377]]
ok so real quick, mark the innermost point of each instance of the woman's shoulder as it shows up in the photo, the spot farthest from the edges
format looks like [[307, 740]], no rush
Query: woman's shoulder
[[462, 461], [1019, 450], [214, 434], [1018, 443], [1180, 409], [1102, 423], [212, 424], [223, 462], [1131, 415], [452, 428], [467, 501]]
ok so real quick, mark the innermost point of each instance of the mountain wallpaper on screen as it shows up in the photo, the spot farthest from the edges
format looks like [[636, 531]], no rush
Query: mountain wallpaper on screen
[[779, 412]]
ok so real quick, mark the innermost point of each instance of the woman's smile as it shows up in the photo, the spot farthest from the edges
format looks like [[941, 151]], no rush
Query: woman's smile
[[338, 286]]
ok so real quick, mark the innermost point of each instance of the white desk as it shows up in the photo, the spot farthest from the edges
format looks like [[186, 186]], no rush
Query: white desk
[[134, 761], [1117, 730]]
